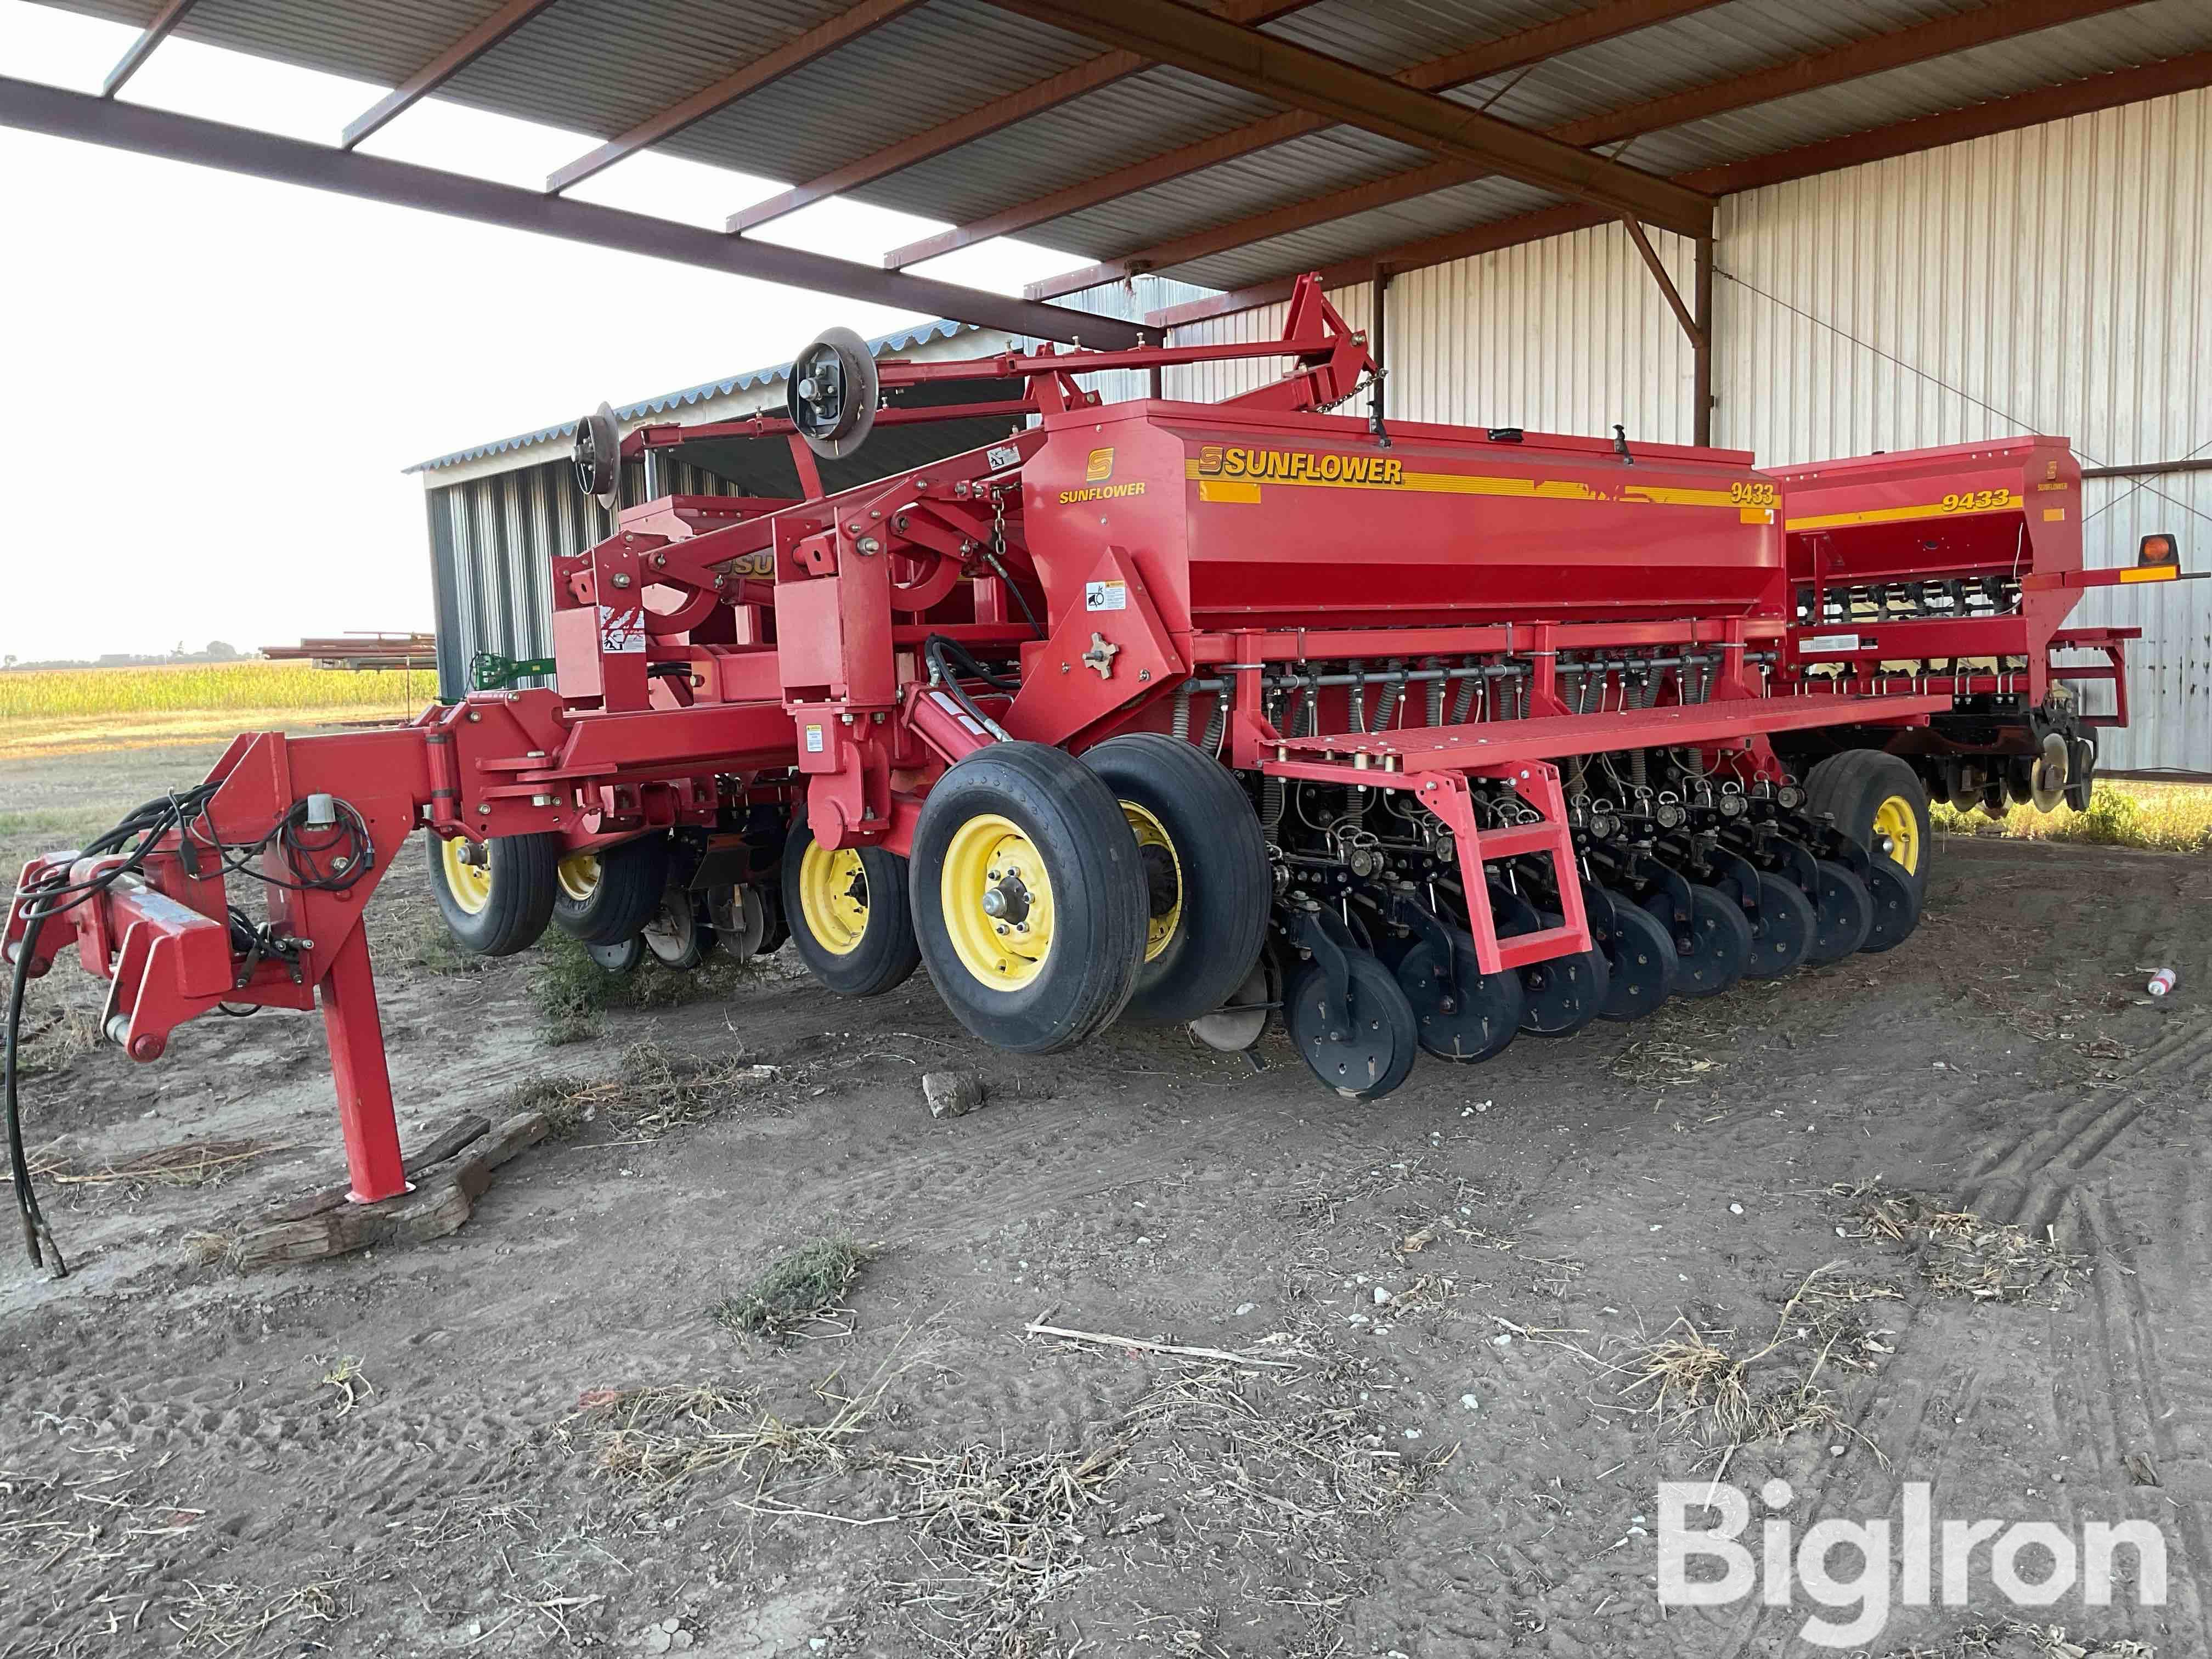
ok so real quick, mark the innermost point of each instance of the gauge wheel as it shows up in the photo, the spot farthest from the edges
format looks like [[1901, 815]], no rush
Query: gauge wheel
[[609, 893], [496, 895], [849, 913], [1207, 883]]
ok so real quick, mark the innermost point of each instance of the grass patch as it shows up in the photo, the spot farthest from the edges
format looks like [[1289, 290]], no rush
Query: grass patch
[[433, 950], [2165, 818], [1961, 1254], [805, 1287], [571, 991]]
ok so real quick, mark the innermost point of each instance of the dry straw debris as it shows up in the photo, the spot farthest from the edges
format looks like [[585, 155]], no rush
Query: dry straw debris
[[2010, 1639], [1689, 1379], [651, 1092], [1962, 1255]]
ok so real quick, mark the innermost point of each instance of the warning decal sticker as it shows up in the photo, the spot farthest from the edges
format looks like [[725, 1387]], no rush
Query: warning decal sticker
[[622, 629]]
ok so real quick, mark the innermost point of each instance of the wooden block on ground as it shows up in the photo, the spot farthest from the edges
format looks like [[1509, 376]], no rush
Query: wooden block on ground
[[443, 1196]]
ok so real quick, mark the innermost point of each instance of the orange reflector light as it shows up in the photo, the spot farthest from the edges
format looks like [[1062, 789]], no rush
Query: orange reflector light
[[2159, 550]]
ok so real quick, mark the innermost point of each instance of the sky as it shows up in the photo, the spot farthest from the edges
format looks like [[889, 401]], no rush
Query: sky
[[210, 384]]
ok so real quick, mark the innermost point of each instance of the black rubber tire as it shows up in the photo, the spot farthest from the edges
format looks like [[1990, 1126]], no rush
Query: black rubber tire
[[2080, 772], [886, 954], [1219, 871], [1384, 1019], [1843, 914], [1896, 906], [632, 874], [1783, 935], [1723, 934], [521, 902], [1641, 955], [1099, 902], [1854, 784]]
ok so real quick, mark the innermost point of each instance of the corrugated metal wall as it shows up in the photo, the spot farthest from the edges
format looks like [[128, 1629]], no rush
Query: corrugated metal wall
[[2048, 280], [492, 540]]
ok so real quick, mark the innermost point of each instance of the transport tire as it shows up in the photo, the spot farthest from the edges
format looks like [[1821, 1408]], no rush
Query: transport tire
[[677, 934], [1879, 802], [1843, 914], [1030, 900], [603, 898], [1364, 1052], [496, 895], [1207, 883], [1474, 1024], [848, 914], [623, 957], [1896, 906], [1783, 935], [1641, 958], [1719, 940]]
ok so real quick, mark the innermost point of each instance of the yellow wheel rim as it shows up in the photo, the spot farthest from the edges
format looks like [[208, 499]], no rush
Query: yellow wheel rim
[[1896, 819], [998, 903], [579, 875], [469, 884], [833, 898], [1149, 832]]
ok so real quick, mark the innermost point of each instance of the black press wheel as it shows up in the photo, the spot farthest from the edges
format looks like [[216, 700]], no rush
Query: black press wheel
[[603, 898], [1206, 880], [1029, 902], [1843, 914], [1562, 995], [623, 957], [1364, 1050], [496, 895], [1460, 1012], [1783, 935], [1640, 955], [1877, 801], [848, 914], [1715, 948], [1896, 905]]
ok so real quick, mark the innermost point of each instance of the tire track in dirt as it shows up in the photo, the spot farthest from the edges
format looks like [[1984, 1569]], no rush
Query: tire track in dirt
[[2025, 1177]]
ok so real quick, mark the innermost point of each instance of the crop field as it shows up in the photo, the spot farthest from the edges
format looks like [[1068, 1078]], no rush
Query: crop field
[[82, 711], [63, 693]]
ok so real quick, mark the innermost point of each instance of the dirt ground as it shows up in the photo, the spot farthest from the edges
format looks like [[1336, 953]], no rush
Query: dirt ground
[[1441, 1422]]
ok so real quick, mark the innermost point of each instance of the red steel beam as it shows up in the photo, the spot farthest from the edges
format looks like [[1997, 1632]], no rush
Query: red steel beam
[[980, 123], [441, 68], [142, 48], [1201, 44], [1499, 57], [148, 131], [825, 37], [1897, 49], [2161, 79]]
